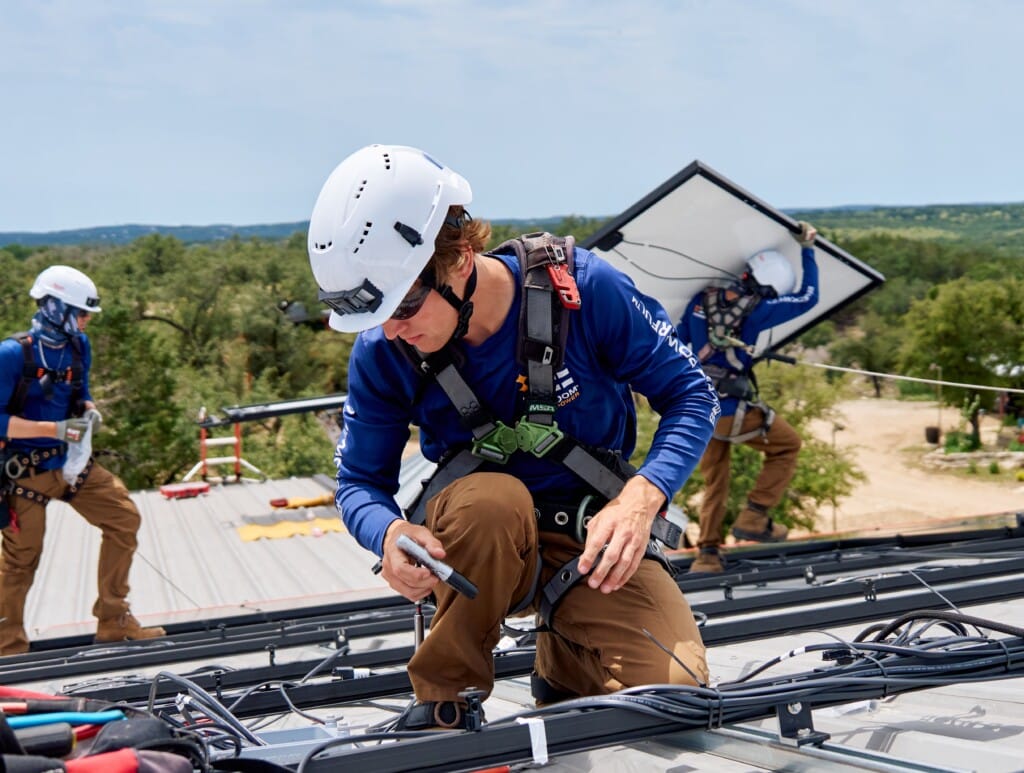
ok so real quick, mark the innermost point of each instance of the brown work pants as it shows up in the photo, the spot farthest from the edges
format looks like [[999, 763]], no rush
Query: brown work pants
[[104, 502], [489, 531], [780, 448]]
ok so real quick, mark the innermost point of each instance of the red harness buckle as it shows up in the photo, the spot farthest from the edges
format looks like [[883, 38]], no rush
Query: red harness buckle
[[565, 284]]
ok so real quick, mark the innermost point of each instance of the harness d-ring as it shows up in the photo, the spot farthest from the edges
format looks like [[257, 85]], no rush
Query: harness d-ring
[[581, 519]]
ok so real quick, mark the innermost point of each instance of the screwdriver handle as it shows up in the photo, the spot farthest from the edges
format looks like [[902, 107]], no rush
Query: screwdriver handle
[[444, 572]]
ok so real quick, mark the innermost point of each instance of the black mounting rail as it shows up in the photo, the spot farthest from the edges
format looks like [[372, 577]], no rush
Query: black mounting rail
[[236, 414], [743, 594]]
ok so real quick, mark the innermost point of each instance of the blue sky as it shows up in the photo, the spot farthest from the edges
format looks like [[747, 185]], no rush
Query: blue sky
[[209, 111]]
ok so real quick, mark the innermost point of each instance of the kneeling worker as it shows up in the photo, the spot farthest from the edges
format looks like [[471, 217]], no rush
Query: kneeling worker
[[527, 406]]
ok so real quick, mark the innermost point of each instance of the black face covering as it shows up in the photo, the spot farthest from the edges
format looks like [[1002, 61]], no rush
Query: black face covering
[[56, 322], [750, 286]]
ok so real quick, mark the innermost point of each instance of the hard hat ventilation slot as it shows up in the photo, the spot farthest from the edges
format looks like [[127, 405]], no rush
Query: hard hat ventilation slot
[[321, 246], [362, 187], [366, 232], [387, 161]]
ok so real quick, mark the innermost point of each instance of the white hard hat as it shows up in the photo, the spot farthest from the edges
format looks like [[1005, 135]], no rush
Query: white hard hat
[[70, 285], [373, 228], [771, 269]]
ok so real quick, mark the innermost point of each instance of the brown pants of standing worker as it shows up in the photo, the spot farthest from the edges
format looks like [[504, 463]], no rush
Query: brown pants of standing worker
[[780, 448], [489, 531], [104, 502]]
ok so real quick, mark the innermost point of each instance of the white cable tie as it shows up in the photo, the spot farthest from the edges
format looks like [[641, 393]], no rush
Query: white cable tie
[[538, 738], [794, 653]]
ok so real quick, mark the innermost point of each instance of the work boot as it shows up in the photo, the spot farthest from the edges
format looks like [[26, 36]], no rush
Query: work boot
[[753, 524], [707, 561], [435, 715], [125, 628], [13, 640], [545, 694]]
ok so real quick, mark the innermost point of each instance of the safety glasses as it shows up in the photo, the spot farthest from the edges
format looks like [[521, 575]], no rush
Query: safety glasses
[[413, 301]]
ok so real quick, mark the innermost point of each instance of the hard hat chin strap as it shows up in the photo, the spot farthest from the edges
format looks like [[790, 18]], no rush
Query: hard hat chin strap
[[463, 306]]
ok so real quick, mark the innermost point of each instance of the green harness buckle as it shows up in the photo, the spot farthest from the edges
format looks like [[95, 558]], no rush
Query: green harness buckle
[[497, 445], [538, 439], [502, 441]]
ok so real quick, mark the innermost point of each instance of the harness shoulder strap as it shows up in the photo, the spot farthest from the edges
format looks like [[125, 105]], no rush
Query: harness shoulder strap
[[74, 374], [724, 321], [547, 266], [29, 373]]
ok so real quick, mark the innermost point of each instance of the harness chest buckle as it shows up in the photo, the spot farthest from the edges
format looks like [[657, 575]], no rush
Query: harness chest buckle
[[538, 439], [497, 445]]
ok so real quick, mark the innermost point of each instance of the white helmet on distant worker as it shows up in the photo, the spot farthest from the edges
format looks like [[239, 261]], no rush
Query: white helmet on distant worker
[[69, 285], [373, 228], [772, 269]]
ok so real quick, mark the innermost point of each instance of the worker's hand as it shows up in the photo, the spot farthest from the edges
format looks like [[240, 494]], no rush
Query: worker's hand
[[807, 234], [623, 529], [401, 572], [94, 417], [72, 430]]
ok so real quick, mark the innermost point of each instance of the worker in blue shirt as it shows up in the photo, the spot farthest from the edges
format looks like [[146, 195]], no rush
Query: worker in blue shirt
[[722, 324], [400, 261], [48, 411]]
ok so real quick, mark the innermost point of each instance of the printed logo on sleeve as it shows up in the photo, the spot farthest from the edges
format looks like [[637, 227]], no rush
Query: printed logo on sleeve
[[666, 330]]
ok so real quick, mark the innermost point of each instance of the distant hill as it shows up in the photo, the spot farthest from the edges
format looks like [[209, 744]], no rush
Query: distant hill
[[995, 224], [124, 234], [190, 234], [998, 224]]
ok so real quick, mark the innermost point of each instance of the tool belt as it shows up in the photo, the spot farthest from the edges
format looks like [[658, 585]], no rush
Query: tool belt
[[743, 388], [730, 383], [18, 465]]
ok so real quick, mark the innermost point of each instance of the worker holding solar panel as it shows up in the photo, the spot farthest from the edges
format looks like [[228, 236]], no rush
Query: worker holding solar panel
[[517, 365], [722, 324]]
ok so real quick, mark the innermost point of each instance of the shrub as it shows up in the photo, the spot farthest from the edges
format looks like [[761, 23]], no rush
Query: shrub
[[960, 442]]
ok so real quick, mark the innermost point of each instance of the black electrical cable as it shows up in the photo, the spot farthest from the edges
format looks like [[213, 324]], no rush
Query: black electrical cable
[[205, 700], [940, 614], [722, 271], [881, 660]]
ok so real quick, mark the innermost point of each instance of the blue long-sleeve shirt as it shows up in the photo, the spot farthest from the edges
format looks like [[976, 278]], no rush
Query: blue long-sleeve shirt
[[769, 312], [37, 407], [618, 340]]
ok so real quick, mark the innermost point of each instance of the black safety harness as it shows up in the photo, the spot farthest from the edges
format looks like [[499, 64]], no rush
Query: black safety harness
[[549, 296], [17, 464], [725, 320]]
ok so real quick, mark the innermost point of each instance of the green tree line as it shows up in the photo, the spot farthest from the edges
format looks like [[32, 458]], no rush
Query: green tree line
[[188, 326]]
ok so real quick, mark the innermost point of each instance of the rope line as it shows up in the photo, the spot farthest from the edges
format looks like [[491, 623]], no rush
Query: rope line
[[910, 378]]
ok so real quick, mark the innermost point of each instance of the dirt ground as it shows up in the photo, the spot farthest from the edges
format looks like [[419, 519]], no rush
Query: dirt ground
[[888, 440]]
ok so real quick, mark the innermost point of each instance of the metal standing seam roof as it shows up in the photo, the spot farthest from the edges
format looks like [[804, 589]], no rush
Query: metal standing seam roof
[[191, 561], [192, 565]]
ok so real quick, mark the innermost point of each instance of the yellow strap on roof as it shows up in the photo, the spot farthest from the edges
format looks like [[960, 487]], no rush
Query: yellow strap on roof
[[284, 529]]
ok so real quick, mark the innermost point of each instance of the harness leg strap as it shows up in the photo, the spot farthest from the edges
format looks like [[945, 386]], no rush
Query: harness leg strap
[[528, 598], [737, 423], [568, 575]]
